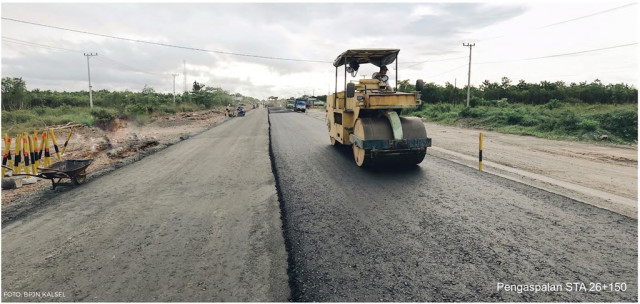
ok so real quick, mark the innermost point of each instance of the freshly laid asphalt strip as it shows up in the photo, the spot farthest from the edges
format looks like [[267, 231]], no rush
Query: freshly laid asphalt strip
[[196, 222], [437, 232]]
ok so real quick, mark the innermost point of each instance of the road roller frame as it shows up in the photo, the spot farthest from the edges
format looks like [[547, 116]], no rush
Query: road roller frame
[[366, 113]]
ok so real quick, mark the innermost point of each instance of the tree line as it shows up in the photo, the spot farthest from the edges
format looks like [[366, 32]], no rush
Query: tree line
[[16, 96], [529, 93]]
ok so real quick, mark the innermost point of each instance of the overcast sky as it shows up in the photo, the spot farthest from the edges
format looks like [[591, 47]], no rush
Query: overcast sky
[[569, 41]]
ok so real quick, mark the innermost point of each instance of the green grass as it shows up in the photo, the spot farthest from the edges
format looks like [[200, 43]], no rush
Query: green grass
[[39, 118], [554, 120]]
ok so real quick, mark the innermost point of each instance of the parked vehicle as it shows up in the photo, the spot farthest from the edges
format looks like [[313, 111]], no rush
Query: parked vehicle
[[240, 111]]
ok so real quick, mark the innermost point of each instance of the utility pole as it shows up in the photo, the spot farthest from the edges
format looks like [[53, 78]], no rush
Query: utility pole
[[89, 73], [469, 78], [174, 87]]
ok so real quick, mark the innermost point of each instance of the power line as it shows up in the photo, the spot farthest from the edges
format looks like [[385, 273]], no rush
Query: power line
[[560, 22], [537, 58], [101, 58], [461, 66], [18, 41], [541, 27], [590, 15], [33, 44], [421, 62], [165, 44], [561, 55], [106, 59], [582, 52]]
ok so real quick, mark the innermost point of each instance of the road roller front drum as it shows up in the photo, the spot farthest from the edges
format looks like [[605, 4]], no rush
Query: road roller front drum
[[378, 146]]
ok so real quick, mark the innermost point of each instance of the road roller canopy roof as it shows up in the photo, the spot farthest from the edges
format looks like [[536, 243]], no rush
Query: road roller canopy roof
[[377, 57]]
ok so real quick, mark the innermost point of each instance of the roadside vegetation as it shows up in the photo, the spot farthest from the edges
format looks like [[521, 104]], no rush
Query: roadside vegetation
[[26, 111], [582, 111], [587, 112]]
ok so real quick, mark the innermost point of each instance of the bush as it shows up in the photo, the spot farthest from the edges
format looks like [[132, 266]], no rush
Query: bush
[[622, 123], [567, 121], [588, 125], [554, 104], [475, 101], [104, 116], [450, 116], [84, 118], [441, 108], [503, 102], [466, 112], [135, 109], [167, 109], [66, 109], [17, 117], [190, 107], [39, 110], [514, 117], [469, 112], [573, 100], [530, 120]]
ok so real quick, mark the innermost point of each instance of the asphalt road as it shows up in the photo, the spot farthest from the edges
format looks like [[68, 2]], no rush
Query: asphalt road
[[437, 232], [201, 222], [198, 221]]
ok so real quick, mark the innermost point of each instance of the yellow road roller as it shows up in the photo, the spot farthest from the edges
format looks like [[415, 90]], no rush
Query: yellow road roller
[[366, 116]]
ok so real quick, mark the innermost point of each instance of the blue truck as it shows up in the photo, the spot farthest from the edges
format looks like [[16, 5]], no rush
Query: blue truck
[[300, 105]]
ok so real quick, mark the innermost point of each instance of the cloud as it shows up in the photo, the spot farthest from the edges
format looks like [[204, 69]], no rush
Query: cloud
[[457, 20], [425, 10], [309, 31]]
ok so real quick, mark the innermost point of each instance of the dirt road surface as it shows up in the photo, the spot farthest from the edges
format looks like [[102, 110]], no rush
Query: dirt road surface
[[438, 232], [198, 221], [602, 175]]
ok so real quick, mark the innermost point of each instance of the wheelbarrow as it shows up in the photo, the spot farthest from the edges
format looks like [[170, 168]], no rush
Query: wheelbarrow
[[73, 169]]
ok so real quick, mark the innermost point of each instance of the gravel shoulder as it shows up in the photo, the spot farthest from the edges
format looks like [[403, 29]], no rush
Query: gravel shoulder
[[600, 174]]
